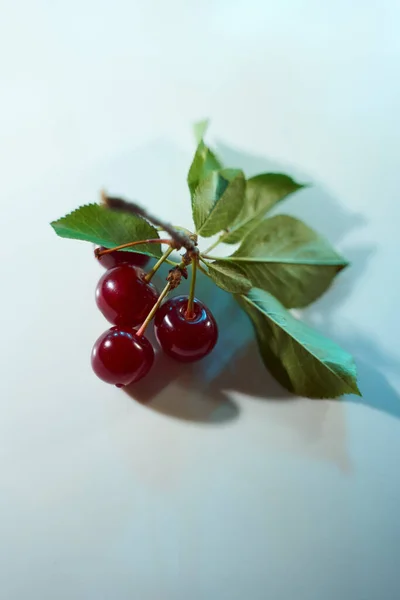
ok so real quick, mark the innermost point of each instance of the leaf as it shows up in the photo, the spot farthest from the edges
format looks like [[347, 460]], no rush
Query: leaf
[[217, 201], [263, 192], [288, 259], [204, 160], [301, 359], [227, 278], [104, 227], [200, 129]]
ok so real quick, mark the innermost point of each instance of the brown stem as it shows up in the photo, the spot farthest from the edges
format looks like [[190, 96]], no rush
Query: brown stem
[[153, 311], [180, 238]]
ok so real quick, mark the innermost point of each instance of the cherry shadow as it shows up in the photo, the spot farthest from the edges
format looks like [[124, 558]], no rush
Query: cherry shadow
[[177, 391], [200, 391]]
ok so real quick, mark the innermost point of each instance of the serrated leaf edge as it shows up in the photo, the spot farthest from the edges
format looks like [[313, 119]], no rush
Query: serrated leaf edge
[[355, 391]]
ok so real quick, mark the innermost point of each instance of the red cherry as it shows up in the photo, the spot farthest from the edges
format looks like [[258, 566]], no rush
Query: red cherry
[[119, 257], [185, 339], [122, 357], [124, 296]]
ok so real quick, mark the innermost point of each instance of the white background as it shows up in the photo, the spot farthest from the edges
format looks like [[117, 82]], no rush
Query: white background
[[215, 486]]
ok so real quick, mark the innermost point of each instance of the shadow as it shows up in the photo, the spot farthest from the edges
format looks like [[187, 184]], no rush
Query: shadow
[[182, 390], [200, 391], [373, 365], [177, 391], [345, 283], [245, 374], [377, 392], [315, 205], [318, 208], [208, 392]]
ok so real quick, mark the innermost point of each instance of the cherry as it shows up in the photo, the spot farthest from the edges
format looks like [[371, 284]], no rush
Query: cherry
[[119, 257], [122, 357], [124, 296], [181, 338]]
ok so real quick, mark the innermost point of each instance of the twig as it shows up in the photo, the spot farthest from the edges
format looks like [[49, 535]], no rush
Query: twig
[[179, 237]]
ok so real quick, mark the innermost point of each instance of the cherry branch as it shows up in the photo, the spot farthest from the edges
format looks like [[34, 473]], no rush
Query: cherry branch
[[180, 238]]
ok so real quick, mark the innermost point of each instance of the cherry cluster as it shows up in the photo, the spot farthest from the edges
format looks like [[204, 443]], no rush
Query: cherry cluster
[[122, 355]]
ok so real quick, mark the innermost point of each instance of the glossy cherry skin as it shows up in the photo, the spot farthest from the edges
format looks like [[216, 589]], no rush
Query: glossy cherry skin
[[119, 257], [121, 357], [186, 340], [124, 297]]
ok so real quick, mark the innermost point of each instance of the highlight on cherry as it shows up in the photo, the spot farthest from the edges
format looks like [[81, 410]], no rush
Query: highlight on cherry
[[185, 327]]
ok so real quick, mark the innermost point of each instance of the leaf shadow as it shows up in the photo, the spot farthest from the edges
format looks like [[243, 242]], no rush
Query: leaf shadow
[[209, 392], [176, 390], [373, 364], [318, 207], [315, 205]]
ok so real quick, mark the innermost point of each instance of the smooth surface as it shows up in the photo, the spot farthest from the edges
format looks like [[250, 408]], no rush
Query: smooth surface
[[120, 356], [124, 297], [182, 338], [220, 487]]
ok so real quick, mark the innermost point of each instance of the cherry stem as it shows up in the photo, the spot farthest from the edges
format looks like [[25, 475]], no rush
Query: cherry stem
[[189, 314], [153, 311], [130, 244], [158, 264]]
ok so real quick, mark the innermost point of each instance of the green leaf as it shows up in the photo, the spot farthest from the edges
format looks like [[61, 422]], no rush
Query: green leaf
[[104, 227], [288, 259], [200, 129], [217, 201], [204, 162], [301, 359], [263, 192], [228, 278]]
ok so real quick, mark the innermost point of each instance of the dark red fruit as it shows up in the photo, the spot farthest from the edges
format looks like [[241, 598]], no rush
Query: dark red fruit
[[124, 297], [185, 339], [119, 257], [122, 357]]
